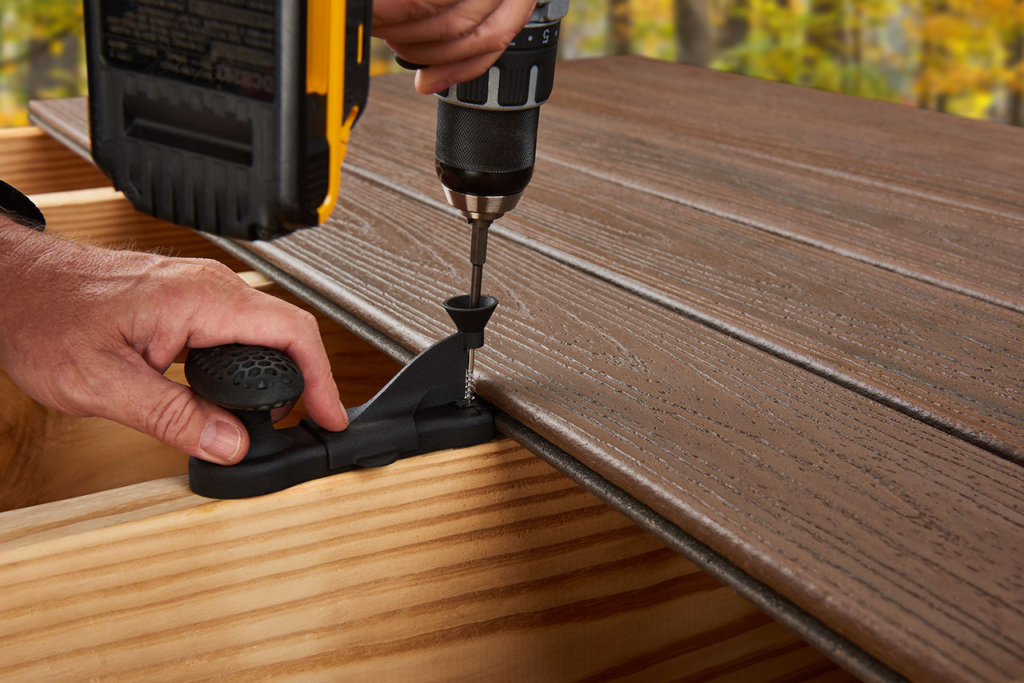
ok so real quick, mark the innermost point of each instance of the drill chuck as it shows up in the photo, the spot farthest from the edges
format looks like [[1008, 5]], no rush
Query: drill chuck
[[486, 140]]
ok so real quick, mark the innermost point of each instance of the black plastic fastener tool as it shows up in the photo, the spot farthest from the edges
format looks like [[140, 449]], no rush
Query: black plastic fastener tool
[[421, 410]]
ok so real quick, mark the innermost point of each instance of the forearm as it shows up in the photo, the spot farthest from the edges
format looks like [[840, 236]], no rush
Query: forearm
[[19, 247], [37, 266]]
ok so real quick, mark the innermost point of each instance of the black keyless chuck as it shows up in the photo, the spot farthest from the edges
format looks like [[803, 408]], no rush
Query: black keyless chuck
[[486, 140]]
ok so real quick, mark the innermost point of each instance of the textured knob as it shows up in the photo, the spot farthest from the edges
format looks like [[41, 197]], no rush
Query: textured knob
[[242, 377]]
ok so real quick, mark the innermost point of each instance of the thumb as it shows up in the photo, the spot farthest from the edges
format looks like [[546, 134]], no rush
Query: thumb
[[172, 413]]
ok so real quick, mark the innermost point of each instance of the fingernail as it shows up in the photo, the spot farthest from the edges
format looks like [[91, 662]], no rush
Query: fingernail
[[438, 87], [344, 413], [221, 441]]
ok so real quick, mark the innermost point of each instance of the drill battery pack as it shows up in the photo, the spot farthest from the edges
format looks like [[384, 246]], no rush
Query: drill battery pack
[[228, 116]]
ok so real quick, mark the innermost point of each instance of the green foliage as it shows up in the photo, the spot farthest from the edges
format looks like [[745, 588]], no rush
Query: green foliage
[[960, 56]]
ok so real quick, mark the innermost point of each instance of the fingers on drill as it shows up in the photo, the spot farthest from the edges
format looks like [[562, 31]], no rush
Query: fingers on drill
[[434, 79], [491, 36], [394, 12], [451, 22]]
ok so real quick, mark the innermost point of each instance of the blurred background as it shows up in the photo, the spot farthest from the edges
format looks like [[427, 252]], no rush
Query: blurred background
[[965, 57]]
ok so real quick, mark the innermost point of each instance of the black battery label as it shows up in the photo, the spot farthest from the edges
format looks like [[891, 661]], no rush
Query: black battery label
[[224, 44]]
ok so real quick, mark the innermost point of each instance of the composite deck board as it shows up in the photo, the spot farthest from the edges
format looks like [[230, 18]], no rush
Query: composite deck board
[[836, 202], [653, 148], [946, 358], [943, 157], [68, 120], [843, 174], [811, 488]]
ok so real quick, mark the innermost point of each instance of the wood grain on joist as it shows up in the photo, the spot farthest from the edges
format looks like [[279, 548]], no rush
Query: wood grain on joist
[[32, 161], [947, 359], [480, 564], [104, 217], [857, 513]]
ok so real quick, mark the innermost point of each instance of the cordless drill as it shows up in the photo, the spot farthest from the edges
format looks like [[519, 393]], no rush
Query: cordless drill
[[233, 116]]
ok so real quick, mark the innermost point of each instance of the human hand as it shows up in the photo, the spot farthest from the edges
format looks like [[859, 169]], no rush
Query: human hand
[[91, 331], [458, 39]]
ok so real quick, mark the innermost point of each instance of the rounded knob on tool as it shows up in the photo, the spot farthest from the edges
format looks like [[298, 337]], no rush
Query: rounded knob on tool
[[249, 381], [471, 320], [240, 377]]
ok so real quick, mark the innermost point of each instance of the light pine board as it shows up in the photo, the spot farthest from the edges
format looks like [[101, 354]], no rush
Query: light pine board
[[32, 162], [462, 565]]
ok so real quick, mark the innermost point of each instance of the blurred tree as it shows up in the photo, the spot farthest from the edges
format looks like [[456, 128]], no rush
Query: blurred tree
[[41, 54], [695, 38], [620, 28], [1015, 76]]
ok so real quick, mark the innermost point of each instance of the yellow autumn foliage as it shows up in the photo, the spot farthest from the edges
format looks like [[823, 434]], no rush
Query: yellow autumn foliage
[[960, 56]]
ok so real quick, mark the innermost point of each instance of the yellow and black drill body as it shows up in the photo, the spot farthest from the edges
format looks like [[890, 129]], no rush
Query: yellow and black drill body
[[228, 116], [233, 116]]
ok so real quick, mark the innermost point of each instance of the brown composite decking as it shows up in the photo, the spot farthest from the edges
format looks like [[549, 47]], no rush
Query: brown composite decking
[[788, 321]]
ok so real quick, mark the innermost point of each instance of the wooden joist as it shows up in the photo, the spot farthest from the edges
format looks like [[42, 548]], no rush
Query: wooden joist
[[103, 216], [34, 162], [481, 564]]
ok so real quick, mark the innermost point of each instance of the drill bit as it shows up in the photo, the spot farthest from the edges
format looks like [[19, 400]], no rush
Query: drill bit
[[477, 257]]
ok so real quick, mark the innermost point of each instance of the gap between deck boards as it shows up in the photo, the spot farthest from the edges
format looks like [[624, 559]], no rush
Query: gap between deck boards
[[943, 424], [806, 240]]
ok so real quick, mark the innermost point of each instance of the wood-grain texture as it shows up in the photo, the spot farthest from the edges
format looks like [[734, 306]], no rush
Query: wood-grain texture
[[481, 564], [757, 342], [937, 354], [921, 193], [33, 162], [104, 217]]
